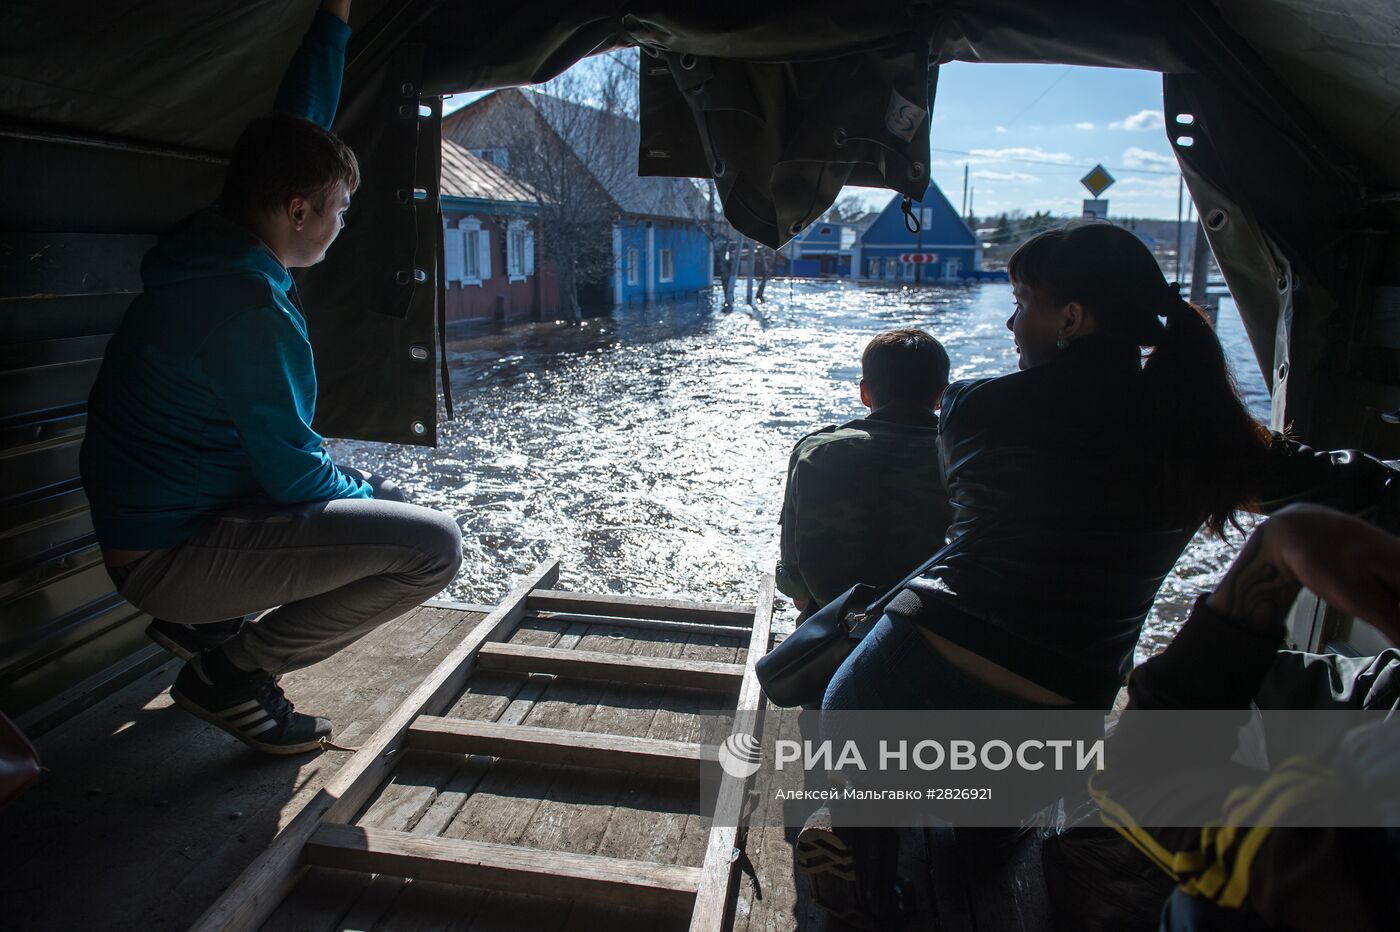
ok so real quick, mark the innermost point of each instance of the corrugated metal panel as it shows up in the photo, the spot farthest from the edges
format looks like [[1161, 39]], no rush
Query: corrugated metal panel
[[62, 295]]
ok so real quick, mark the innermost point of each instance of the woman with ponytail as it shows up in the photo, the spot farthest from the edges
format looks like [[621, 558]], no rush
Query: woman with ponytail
[[1076, 483]]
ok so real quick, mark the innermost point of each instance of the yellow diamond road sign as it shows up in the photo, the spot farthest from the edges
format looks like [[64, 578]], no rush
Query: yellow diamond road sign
[[1097, 181]]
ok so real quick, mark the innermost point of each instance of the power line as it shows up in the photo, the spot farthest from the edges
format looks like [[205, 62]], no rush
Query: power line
[[1039, 97]]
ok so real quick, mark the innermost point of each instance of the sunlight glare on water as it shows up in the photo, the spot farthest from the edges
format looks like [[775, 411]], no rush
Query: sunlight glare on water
[[647, 450]]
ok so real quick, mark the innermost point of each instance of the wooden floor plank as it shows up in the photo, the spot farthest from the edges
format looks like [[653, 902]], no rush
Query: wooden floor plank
[[580, 805], [557, 746], [656, 671], [256, 893], [503, 867], [621, 625], [424, 793], [723, 613], [713, 901], [137, 788]]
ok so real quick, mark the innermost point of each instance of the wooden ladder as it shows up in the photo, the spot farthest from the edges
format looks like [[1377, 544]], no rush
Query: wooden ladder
[[323, 834]]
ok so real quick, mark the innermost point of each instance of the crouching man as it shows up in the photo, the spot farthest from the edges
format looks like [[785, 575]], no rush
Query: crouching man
[[211, 495]]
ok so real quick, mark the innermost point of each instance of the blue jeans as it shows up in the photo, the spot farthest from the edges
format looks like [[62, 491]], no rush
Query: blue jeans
[[895, 667]]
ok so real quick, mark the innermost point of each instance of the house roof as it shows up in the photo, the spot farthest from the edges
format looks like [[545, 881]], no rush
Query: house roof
[[467, 175], [606, 144], [612, 141]]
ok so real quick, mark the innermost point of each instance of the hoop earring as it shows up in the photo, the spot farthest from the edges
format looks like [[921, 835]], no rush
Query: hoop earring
[[1061, 344]]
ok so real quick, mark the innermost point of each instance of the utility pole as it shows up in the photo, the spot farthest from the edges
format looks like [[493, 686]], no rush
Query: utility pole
[[1180, 194], [731, 272], [919, 248], [966, 215], [753, 254]]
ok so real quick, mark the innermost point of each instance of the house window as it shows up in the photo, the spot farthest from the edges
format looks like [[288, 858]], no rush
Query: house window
[[497, 157], [877, 268], [519, 243], [825, 231], [632, 270], [471, 255], [668, 266]]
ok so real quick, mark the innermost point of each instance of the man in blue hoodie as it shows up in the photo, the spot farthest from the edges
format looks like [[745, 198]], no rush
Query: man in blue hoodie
[[211, 494]]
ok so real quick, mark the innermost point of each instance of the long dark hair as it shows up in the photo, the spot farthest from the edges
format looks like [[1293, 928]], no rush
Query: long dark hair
[[1211, 454]]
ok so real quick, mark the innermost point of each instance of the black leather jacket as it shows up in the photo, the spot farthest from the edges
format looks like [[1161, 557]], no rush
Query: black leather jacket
[[1060, 540]]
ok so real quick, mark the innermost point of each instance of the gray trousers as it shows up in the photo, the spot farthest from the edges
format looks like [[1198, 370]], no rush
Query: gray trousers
[[330, 571]]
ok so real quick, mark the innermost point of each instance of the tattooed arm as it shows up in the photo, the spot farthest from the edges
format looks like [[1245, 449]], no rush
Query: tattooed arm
[[1289, 876], [1348, 563]]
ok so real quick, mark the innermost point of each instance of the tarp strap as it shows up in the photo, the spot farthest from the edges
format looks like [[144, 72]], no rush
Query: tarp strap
[[444, 371], [911, 219]]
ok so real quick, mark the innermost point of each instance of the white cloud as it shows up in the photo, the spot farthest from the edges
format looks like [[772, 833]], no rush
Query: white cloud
[[1133, 157], [1004, 176], [1001, 130], [1033, 153], [1084, 125], [1164, 184], [1140, 121]]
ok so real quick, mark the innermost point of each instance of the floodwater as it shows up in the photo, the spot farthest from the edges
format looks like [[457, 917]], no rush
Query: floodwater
[[646, 450]]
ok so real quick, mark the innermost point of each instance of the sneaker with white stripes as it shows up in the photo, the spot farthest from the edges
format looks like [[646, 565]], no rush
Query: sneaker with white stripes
[[252, 708]]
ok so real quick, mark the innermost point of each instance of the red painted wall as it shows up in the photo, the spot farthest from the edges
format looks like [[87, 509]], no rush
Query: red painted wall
[[497, 298]]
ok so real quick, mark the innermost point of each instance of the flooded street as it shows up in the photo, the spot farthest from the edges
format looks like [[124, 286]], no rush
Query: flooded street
[[647, 450]]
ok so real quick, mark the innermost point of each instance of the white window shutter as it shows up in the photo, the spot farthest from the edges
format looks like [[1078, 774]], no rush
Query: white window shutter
[[484, 241], [452, 254], [529, 252]]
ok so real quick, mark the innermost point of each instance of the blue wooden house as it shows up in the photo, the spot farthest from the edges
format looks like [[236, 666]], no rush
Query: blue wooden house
[[647, 238], [823, 250], [944, 249]]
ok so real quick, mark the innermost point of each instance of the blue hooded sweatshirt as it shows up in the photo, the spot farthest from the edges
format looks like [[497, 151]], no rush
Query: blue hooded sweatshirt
[[208, 388]]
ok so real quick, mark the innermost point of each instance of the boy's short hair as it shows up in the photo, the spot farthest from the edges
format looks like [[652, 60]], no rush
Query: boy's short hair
[[905, 365], [280, 156]]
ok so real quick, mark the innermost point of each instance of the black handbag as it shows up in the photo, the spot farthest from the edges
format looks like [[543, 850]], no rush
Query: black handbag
[[797, 671]]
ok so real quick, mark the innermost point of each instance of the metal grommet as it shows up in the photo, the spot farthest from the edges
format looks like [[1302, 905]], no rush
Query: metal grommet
[[418, 351], [420, 428], [839, 137], [916, 170], [402, 277], [688, 61], [1283, 371], [1282, 284], [403, 195], [796, 227], [1216, 219], [407, 89], [408, 110], [719, 168]]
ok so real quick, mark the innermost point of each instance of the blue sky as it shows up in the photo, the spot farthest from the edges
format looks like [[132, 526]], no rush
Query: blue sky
[[1028, 133]]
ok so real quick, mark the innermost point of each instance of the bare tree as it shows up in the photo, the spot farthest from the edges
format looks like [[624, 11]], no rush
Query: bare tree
[[575, 142], [845, 210]]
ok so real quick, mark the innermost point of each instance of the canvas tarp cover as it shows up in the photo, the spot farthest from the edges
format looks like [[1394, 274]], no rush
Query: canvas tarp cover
[[1296, 107]]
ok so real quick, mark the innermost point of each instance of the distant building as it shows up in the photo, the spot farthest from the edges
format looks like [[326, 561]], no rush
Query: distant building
[[492, 267], [631, 239], [943, 250], [823, 250]]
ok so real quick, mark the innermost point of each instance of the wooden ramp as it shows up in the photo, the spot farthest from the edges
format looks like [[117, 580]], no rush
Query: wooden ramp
[[543, 776]]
